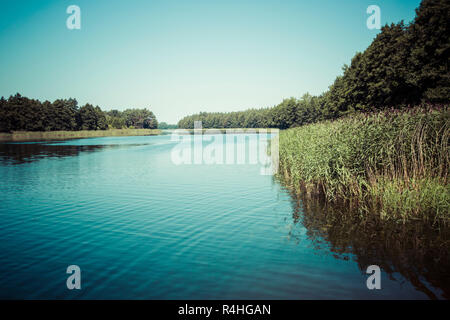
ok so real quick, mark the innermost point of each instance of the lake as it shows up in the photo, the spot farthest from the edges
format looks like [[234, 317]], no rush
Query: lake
[[141, 227]]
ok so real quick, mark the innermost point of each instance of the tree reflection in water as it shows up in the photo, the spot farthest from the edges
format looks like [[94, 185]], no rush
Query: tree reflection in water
[[19, 153], [420, 252]]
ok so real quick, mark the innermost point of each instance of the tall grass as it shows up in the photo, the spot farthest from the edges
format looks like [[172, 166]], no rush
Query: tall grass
[[394, 163], [50, 135]]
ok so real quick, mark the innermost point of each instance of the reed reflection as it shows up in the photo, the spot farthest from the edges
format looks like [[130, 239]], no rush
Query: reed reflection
[[417, 251]]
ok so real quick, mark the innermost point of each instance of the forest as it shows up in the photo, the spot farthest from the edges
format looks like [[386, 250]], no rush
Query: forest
[[19, 113], [405, 65], [165, 125]]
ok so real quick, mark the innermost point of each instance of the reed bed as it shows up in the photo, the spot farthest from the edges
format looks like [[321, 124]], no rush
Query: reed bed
[[392, 163], [56, 135]]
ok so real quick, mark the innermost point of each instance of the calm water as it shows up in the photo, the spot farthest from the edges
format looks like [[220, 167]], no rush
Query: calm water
[[141, 227]]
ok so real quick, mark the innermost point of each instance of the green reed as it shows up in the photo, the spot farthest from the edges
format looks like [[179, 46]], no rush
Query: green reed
[[50, 135], [394, 162]]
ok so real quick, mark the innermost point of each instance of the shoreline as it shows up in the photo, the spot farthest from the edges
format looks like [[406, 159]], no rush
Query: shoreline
[[18, 136], [203, 131]]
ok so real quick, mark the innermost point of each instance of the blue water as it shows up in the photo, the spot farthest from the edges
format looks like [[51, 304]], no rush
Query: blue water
[[141, 227]]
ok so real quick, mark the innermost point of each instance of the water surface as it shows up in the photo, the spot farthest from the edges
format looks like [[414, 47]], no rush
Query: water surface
[[141, 227]]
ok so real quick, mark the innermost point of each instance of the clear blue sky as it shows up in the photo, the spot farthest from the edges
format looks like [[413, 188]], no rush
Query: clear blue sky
[[182, 57]]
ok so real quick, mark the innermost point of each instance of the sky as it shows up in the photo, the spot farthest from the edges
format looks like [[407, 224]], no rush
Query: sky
[[182, 57]]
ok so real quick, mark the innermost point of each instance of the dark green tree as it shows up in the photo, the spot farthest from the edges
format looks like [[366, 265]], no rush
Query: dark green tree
[[87, 117], [150, 121], [429, 61], [65, 111]]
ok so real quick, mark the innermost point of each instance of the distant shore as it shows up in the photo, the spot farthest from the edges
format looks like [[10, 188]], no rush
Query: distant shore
[[223, 131], [61, 135]]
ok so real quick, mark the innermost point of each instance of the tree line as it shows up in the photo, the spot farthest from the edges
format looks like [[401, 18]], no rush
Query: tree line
[[165, 125], [405, 65], [132, 118], [19, 113]]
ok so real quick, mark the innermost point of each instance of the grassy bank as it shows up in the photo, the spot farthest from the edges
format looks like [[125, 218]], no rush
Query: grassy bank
[[59, 135], [224, 130], [392, 163]]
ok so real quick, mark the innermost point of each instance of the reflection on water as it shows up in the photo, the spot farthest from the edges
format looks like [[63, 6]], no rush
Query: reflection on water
[[18, 153], [419, 252]]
